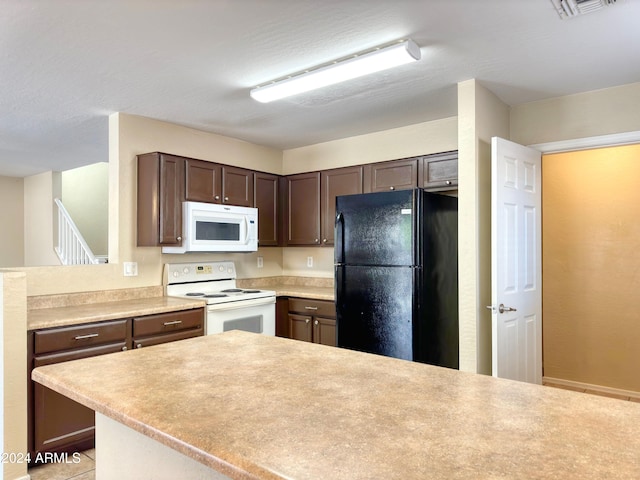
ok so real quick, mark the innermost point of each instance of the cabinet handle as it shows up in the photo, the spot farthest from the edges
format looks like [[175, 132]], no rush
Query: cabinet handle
[[124, 349], [174, 322], [448, 182], [84, 337], [317, 240], [310, 308], [324, 240], [392, 188], [139, 345], [226, 199], [306, 320], [179, 239], [315, 323], [217, 197]]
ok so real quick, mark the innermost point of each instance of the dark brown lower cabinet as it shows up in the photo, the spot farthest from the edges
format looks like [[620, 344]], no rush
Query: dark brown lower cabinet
[[59, 424], [312, 321]]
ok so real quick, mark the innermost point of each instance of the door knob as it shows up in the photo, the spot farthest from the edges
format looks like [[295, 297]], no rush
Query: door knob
[[502, 308]]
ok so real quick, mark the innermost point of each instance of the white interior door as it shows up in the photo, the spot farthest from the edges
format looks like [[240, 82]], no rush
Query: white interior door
[[516, 261]]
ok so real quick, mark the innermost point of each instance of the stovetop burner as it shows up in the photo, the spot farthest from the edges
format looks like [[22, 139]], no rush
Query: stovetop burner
[[194, 294], [216, 295], [251, 291], [232, 290]]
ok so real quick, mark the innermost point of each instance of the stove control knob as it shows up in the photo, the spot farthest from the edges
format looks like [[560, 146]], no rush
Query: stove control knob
[[176, 273], [230, 270], [221, 268], [185, 270]]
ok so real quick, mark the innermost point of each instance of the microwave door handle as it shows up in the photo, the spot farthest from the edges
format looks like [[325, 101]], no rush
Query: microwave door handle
[[246, 230]]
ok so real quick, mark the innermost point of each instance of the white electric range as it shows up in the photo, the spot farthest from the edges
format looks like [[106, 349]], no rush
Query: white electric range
[[228, 307]]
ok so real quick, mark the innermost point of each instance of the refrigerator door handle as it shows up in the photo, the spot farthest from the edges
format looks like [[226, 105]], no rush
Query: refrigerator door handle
[[339, 238]]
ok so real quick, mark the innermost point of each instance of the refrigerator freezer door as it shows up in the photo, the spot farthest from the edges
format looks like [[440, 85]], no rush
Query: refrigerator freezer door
[[375, 309], [376, 229]]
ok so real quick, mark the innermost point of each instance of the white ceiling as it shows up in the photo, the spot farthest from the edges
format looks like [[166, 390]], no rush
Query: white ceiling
[[65, 65]]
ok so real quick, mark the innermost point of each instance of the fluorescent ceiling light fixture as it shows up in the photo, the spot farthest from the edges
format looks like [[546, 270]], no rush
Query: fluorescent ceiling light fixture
[[375, 60]]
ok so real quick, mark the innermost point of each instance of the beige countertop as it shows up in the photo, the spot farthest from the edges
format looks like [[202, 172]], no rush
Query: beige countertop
[[99, 311], [304, 291], [302, 287], [253, 406]]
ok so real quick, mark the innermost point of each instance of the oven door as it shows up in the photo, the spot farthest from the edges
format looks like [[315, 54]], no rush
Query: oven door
[[256, 315]]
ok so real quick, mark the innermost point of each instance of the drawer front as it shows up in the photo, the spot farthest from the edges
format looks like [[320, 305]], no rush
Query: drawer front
[[166, 338], [80, 336], [168, 322], [313, 307], [51, 358]]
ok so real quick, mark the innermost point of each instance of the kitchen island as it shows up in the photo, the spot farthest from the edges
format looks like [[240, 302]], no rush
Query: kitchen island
[[252, 406]]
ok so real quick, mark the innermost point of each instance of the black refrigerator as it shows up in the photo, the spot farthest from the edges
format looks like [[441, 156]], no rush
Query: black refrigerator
[[396, 275]]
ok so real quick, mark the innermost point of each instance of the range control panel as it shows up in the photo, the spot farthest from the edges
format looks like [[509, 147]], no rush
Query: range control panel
[[198, 272]]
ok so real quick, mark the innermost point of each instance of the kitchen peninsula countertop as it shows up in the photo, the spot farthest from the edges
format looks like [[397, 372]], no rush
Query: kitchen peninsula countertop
[[339, 414]]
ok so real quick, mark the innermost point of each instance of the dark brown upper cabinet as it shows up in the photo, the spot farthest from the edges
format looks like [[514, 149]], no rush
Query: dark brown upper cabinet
[[237, 186], [214, 183], [339, 181], [439, 172], [392, 175], [265, 199], [160, 196], [303, 209], [203, 181]]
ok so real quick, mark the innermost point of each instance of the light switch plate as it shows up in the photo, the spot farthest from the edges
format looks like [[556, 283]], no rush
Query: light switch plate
[[309, 262], [260, 262], [130, 269]]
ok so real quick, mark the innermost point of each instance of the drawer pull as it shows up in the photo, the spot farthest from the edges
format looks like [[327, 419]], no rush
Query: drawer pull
[[175, 322], [310, 308], [84, 337]]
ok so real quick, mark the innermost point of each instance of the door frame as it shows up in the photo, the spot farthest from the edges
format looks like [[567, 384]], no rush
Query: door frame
[[584, 143]]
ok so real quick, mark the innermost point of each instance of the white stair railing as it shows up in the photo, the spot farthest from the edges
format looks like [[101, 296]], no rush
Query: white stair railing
[[72, 249]]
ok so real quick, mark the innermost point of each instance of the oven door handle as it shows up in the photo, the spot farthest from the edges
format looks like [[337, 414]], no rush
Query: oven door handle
[[255, 302]]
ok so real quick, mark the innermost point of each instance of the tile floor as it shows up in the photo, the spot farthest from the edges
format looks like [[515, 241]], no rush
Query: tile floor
[[85, 468]]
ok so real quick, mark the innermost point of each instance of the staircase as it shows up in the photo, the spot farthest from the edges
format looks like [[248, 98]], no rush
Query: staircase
[[72, 249]]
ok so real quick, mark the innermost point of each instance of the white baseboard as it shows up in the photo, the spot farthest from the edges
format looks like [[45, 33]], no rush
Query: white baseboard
[[592, 388]]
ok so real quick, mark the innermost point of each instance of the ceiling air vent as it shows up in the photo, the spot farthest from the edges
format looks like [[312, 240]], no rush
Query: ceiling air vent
[[573, 8]]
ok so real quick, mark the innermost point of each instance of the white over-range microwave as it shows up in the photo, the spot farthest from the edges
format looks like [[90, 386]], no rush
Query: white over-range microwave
[[211, 227]]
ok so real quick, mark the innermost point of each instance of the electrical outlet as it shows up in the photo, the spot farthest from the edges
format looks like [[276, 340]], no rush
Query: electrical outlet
[[309, 262], [260, 262], [130, 269]]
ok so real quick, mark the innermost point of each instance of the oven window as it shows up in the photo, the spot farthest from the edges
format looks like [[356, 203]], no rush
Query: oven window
[[248, 324], [217, 231]]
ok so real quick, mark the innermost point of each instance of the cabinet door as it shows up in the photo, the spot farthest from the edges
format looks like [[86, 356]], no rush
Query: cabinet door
[[300, 327], [303, 205], [324, 331], [237, 186], [59, 423], [171, 196], [203, 181], [159, 202], [341, 181], [439, 171], [265, 199], [282, 317], [394, 175]]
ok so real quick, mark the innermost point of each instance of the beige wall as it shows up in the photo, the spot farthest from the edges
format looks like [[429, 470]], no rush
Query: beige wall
[[419, 139], [591, 239], [600, 112], [481, 116], [39, 192], [85, 195], [13, 315], [12, 221]]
